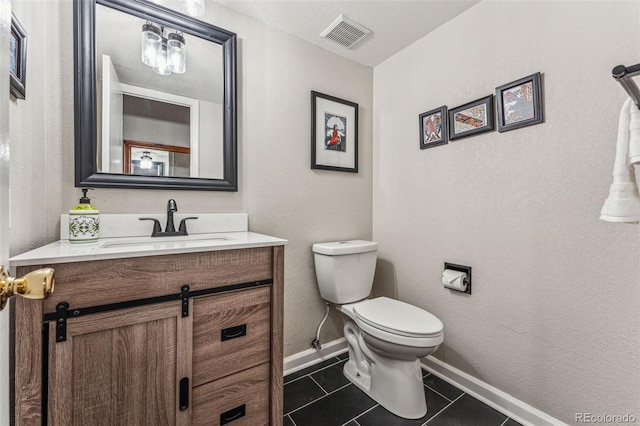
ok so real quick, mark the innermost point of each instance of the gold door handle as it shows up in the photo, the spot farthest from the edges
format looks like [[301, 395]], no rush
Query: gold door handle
[[35, 285]]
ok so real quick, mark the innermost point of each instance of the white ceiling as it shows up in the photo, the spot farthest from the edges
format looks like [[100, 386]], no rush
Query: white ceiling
[[395, 24]]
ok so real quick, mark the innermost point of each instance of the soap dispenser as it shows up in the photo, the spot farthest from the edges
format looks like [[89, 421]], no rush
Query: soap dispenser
[[84, 221]]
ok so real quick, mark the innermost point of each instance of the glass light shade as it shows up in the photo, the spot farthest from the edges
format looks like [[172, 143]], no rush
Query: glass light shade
[[151, 44], [161, 60], [176, 54], [146, 160], [194, 7]]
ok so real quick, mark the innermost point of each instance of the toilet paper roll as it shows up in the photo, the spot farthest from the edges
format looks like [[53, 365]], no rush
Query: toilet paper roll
[[454, 280]]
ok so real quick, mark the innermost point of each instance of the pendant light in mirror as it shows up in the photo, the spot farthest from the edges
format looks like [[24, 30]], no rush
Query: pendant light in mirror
[[164, 54], [146, 161], [161, 61], [151, 44], [176, 53]]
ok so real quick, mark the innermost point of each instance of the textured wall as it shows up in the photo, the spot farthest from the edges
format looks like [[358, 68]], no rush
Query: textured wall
[[283, 197], [41, 126], [554, 318]]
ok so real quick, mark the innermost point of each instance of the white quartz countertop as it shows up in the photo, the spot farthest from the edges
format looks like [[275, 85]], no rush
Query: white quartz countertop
[[63, 251]]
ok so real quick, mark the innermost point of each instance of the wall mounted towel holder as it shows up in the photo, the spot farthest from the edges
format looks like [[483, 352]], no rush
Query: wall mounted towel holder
[[623, 75]]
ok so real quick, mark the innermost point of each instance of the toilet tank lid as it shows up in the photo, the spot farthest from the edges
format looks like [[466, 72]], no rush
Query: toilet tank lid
[[345, 247]]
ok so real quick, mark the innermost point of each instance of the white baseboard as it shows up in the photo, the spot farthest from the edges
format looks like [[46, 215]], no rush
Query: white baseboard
[[495, 398], [304, 359], [501, 401]]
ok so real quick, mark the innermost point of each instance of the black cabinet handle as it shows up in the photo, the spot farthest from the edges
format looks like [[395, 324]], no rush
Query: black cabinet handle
[[231, 415], [233, 332], [184, 393]]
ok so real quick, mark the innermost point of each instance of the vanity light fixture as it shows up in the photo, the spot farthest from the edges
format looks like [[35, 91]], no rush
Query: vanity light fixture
[[161, 60], [146, 160], [194, 8], [176, 53], [151, 44], [164, 54]]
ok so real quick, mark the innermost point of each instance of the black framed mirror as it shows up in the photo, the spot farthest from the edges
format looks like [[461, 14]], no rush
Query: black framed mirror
[[197, 153]]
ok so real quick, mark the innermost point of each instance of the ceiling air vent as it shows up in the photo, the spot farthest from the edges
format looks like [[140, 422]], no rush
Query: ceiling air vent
[[345, 32]]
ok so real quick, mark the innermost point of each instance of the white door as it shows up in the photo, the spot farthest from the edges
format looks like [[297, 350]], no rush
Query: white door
[[112, 118], [5, 29]]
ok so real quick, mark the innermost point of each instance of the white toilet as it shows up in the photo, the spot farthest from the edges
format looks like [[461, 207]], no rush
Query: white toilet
[[385, 337]]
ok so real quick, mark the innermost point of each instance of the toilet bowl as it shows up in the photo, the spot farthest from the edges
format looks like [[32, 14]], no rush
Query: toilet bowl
[[386, 338]]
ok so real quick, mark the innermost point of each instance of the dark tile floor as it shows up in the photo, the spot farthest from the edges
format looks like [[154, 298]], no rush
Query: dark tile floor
[[321, 396]]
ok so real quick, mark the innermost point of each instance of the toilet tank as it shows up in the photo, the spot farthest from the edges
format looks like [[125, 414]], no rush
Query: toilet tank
[[345, 270]]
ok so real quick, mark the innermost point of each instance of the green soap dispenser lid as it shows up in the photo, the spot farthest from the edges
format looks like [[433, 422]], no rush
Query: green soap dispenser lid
[[85, 202]]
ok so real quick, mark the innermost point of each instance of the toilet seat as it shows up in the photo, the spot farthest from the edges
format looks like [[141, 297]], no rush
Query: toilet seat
[[396, 322], [396, 317]]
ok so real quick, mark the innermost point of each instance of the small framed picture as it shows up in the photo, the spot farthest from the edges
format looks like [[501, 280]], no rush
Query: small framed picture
[[334, 133], [519, 103], [17, 58], [433, 127], [471, 118]]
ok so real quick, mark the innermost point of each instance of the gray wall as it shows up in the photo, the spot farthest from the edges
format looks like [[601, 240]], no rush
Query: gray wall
[[146, 120], [554, 318]]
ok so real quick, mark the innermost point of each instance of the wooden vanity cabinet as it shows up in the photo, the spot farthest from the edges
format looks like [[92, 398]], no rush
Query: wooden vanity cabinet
[[134, 346]]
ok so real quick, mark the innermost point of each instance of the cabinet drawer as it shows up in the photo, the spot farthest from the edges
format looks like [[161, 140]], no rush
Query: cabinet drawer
[[95, 283], [231, 332], [241, 399]]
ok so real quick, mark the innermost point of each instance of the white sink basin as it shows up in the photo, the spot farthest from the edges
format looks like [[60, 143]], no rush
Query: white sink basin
[[164, 242], [146, 241]]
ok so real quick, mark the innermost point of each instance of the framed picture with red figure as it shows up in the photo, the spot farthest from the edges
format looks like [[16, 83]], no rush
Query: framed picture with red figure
[[334, 133]]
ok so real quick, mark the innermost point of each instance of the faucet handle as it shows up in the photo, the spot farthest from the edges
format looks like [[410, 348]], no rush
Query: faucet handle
[[157, 229], [183, 225]]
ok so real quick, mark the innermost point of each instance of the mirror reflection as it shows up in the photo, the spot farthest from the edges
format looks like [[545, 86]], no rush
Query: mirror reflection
[[159, 99], [165, 119]]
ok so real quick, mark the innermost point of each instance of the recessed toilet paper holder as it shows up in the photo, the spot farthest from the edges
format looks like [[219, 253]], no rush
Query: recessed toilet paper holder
[[461, 268]]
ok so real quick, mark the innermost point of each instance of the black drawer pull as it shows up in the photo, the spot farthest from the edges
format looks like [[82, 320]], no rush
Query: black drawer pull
[[231, 415], [184, 393], [233, 332]]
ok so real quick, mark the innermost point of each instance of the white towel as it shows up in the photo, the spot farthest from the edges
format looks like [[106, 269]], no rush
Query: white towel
[[623, 203]]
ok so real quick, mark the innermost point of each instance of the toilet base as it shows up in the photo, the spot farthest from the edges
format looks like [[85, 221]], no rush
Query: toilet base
[[394, 384], [401, 394]]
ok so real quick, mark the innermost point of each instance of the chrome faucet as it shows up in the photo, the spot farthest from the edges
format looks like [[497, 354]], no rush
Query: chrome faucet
[[170, 229]]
